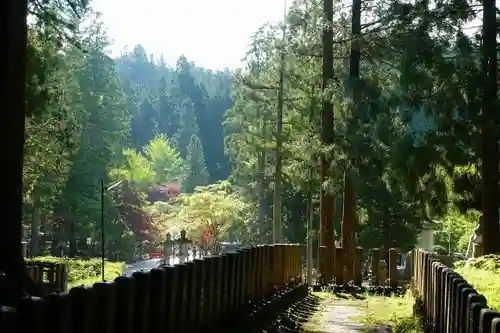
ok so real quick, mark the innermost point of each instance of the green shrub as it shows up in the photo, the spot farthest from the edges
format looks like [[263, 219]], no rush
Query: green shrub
[[80, 269], [490, 262]]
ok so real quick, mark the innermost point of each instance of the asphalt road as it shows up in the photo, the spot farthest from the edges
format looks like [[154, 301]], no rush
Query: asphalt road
[[138, 266], [147, 265]]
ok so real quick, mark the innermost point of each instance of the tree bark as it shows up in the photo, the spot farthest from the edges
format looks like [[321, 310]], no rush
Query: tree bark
[[349, 222], [491, 239], [13, 73], [327, 236], [278, 187]]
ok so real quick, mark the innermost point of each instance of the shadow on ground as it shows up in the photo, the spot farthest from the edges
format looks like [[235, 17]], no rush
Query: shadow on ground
[[296, 315]]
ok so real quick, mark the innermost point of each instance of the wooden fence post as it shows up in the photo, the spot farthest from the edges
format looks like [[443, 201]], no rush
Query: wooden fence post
[[171, 291], [217, 280], [31, 315], [157, 300], [237, 281], [58, 313], [142, 301], [358, 266], [225, 284], [82, 304], [231, 268], [9, 319], [281, 265], [458, 284], [252, 260], [374, 266], [209, 290], [181, 299], [125, 295], [339, 266], [104, 307], [198, 277], [192, 300], [486, 317], [267, 271], [393, 268], [495, 325], [244, 277], [202, 277]]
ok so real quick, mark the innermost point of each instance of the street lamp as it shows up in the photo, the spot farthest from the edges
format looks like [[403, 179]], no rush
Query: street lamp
[[103, 189]]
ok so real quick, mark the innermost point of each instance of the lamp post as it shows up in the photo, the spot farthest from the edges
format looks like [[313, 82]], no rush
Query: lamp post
[[103, 189]]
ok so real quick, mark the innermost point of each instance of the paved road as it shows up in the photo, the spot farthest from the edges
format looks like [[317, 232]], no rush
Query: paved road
[[138, 266], [147, 265]]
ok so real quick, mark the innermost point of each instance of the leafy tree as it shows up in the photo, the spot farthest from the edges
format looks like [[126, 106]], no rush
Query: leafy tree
[[211, 210], [164, 159]]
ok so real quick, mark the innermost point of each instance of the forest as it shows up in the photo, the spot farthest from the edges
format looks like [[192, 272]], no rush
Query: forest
[[236, 154]]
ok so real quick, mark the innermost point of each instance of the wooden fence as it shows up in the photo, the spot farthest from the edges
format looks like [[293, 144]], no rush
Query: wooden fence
[[382, 269], [52, 277], [212, 293], [449, 303]]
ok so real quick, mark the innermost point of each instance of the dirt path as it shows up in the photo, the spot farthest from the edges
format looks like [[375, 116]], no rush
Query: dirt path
[[335, 315], [336, 318]]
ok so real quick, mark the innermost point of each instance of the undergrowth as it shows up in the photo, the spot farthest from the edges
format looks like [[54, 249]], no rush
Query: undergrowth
[[390, 314], [483, 274], [83, 271]]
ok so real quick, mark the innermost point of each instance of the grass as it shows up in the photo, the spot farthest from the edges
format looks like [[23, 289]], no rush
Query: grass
[[379, 314], [392, 314], [111, 271], [485, 281]]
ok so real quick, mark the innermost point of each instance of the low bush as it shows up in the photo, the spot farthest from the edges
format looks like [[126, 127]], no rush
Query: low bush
[[490, 262], [82, 269]]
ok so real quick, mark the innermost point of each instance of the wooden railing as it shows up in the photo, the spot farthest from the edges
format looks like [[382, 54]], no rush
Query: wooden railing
[[449, 303], [51, 277], [209, 294]]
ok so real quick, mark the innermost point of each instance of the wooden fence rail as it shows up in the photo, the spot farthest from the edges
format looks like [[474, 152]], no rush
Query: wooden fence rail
[[52, 277], [449, 303], [204, 295]]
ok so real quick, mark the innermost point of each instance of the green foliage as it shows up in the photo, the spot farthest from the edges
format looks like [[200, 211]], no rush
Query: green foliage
[[165, 160], [215, 208], [490, 262], [410, 145], [79, 269], [157, 163], [92, 119]]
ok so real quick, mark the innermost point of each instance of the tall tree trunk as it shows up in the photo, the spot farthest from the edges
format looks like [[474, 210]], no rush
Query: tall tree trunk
[[13, 73], [327, 236], [278, 186], [261, 159], [310, 233], [491, 239], [35, 226], [349, 222]]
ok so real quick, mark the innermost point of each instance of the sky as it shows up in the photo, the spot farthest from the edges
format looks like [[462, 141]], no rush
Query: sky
[[213, 33]]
